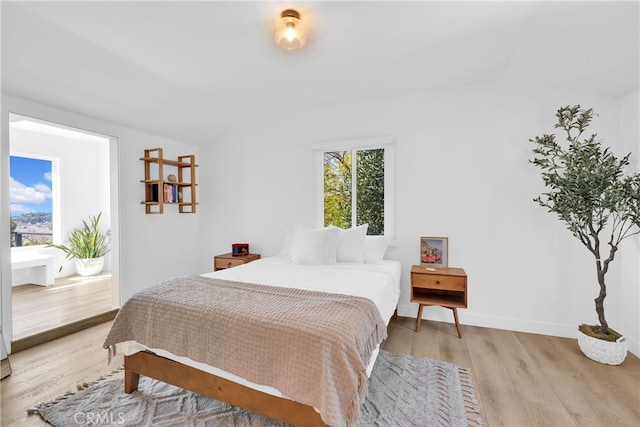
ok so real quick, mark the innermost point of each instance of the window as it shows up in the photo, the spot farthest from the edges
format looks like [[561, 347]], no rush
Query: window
[[356, 184], [31, 200]]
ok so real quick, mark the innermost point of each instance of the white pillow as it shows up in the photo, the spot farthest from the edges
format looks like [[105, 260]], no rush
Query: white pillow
[[314, 246], [375, 248], [351, 244], [286, 243]]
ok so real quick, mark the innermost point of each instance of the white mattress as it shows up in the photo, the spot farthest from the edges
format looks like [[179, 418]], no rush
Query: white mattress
[[378, 282]]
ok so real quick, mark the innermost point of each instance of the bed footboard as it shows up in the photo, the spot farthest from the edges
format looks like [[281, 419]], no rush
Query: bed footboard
[[172, 372]]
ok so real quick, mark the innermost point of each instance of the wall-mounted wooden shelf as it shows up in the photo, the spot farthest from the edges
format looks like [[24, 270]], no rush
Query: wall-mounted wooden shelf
[[159, 191]]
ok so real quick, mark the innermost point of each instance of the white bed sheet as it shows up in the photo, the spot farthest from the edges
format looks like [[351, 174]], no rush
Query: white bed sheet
[[378, 282]]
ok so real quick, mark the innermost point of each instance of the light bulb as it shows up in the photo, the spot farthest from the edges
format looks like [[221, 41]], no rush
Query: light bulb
[[290, 32]]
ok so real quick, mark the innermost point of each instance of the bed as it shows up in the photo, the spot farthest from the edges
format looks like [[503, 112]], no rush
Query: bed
[[343, 288]]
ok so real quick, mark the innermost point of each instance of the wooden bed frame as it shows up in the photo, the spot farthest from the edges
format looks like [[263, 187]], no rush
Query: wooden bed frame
[[169, 371], [172, 372]]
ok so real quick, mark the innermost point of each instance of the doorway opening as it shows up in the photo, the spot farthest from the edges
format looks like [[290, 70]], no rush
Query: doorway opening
[[59, 177]]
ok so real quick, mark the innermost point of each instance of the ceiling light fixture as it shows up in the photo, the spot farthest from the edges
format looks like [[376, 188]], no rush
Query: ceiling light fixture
[[290, 32]]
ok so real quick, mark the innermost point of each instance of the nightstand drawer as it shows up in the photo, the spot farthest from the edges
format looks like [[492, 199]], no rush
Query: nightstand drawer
[[221, 263], [432, 281]]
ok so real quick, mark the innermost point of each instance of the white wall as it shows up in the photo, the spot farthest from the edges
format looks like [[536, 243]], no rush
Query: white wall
[[152, 247], [526, 272], [626, 287], [461, 171]]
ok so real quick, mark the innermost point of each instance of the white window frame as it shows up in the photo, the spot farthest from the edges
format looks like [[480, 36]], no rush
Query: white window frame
[[385, 142], [55, 197]]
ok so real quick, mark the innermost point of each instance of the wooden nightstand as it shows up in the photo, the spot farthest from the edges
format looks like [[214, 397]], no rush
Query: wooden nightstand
[[220, 262], [446, 287]]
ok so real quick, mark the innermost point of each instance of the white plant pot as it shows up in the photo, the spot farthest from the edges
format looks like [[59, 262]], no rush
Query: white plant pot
[[89, 266], [611, 353]]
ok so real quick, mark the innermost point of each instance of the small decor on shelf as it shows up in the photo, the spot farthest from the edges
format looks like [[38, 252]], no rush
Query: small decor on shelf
[[239, 249], [88, 246], [600, 204], [434, 252]]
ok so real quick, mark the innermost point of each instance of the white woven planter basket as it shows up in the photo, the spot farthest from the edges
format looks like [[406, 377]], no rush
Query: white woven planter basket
[[89, 266], [611, 353]]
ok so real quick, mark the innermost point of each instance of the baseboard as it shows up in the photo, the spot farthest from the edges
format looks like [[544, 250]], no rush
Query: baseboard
[[61, 331]]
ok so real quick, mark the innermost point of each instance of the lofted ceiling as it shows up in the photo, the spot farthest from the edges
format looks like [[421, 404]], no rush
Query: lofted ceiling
[[191, 71]]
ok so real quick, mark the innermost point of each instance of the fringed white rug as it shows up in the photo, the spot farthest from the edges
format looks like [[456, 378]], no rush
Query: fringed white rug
[[403, 391]]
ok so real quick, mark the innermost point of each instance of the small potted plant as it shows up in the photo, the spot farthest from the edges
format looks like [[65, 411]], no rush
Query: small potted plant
[[87, 245], [590, 191]]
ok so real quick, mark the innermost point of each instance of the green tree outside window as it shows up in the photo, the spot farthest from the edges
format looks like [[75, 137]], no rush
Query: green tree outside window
[[367, 198]]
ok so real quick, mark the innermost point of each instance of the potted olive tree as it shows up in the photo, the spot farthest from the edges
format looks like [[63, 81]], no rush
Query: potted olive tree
[[591, 192], [87, 245]]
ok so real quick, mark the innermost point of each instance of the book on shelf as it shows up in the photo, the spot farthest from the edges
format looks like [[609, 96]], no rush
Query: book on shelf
[[170, 193], [154, 193]]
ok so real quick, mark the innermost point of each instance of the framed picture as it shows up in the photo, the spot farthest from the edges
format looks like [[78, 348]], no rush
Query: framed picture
[[434, 252]]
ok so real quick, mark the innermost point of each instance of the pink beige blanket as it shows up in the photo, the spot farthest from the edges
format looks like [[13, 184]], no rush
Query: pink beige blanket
[[312, 346]]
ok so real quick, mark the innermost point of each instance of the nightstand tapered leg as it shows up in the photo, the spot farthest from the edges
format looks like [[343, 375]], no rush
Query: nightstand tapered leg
[[455, 316], [419, 318]]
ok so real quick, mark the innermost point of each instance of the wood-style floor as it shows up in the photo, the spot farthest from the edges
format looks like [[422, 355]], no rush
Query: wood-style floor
[[520, 379], [49, 370], [37, 309], [526, 379]]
